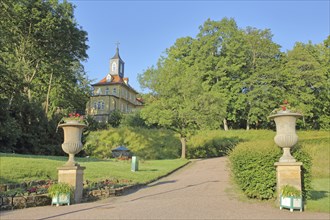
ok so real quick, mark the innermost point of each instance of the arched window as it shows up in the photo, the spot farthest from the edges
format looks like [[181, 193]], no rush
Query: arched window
[[113, 103], [99, 91], [100, 105], [113, 66], [108, 78]]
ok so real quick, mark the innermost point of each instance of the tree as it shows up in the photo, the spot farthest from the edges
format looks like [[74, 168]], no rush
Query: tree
[[263, 87], [41, 47], [115, 118], [307, 82], [179, 101], [222, 57]]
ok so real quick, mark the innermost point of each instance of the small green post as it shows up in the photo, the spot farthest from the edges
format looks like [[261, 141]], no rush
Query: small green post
[[135, 164]]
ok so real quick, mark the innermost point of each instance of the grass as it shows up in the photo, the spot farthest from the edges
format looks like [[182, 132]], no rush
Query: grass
[[320, 201], [16, 168], [19, 168]]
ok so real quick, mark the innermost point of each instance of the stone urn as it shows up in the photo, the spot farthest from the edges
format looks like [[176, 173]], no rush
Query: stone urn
[[72, 140], [286, 136]]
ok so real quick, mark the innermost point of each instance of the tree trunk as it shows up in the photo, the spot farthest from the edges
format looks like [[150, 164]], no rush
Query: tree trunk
[[183, 147], [247, 125], [225, 125], [48, 93]]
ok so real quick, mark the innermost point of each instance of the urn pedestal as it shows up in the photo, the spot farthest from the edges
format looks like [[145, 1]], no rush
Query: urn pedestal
[[288, 173], [71, 172], [288, 170], [75, 177]]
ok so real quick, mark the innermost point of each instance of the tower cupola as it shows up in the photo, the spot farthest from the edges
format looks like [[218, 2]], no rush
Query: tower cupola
[[117, 65]]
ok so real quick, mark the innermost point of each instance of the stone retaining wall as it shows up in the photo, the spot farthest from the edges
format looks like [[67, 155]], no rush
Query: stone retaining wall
[[19, 202]]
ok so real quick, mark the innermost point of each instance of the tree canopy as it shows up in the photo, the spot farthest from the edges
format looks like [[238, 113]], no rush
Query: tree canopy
[[235, 77], [41, 48]]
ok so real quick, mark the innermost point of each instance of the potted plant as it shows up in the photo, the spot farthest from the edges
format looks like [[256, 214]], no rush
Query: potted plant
[[60, 193], [291, 198], [73, 127]]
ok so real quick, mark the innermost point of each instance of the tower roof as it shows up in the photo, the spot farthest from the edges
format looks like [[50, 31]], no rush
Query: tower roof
[[115, 80], [116, 56]]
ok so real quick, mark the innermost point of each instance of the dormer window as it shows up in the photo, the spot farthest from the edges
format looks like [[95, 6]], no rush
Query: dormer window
[[108, 79]]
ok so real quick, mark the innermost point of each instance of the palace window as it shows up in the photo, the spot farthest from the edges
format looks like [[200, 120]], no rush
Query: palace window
[[114, 91], [99, 105], [107, 91]]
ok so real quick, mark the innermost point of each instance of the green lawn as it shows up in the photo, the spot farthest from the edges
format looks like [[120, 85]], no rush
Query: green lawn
[[320, 201], [16, 168], [19, 168]]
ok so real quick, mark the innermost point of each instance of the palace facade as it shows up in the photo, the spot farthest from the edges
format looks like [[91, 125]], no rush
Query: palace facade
[[112, 93]]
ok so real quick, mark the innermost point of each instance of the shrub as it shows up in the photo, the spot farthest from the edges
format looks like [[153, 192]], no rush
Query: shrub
[[301, 154], [133, 120], [253, 168], [115, 118]]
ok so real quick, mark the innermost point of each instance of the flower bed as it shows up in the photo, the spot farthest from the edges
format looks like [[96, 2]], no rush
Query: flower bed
[[32, 194]]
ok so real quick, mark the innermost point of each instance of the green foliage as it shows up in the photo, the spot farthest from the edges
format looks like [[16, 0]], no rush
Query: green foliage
[[41, 48], [253, 167], [247, 68], [146, 143], [180, 100], [115, 118], [252, 164], [207, 144], [133, 120], [302, 155], [58, 188], [288, 190]]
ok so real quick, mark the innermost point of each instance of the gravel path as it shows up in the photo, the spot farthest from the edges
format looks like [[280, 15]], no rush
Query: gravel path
[[201, 190]]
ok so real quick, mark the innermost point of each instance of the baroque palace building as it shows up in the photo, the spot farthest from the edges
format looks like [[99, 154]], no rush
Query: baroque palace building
[[113, 93]]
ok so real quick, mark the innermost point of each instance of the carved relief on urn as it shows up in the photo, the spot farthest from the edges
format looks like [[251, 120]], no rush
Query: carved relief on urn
[[72, 138]]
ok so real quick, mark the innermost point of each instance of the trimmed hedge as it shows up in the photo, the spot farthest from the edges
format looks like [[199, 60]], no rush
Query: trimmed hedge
[[253, 168]]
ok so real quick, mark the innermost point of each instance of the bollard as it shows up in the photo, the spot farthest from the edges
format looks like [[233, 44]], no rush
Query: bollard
[[135, 164]]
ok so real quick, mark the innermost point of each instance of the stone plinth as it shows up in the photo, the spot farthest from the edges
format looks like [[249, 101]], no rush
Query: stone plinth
[[288, 173], [73, 175]]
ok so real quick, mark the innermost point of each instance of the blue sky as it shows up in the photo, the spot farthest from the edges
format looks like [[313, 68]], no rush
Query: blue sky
[[146, 28]]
